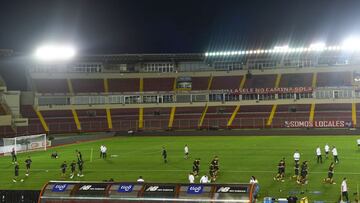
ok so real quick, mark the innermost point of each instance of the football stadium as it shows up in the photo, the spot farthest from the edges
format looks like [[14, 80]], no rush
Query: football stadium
[[265, 124]]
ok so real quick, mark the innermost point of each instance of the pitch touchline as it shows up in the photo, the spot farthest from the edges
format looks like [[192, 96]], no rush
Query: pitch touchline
[[232, 171]]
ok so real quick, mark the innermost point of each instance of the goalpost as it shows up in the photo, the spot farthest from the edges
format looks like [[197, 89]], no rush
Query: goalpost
[[24, 144]]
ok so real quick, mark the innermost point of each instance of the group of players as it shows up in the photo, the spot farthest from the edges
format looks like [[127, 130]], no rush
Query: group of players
[[55, 155], [79, 163], [301, 171], [28, 162]]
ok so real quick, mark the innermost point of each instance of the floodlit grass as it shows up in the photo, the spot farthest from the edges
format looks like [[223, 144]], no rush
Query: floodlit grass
[[240, 157]]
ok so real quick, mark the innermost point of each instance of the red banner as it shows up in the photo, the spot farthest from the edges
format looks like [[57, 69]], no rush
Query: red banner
[[274, 90], [318, 124]]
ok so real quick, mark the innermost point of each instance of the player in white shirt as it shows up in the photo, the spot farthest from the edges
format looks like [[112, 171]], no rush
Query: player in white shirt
[[186, 152], [104, 152], [191, 178], [318, 154], [335, 154], [140, 179], [344, 191], [253, 180], [358, 142], [204, 179], [296, 156], [327, 150], [101, 151]]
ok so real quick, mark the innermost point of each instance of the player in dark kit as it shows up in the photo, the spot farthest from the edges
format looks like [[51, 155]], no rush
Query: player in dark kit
[[303, 173], [80, 167], [296, 169], [63, 168], [330, 179], [196, 167], [13, 155], [16, 171], [215, 163], [164, 154], [212, 173], [28, 162], [79, 156], [281, 171], [72, 167]]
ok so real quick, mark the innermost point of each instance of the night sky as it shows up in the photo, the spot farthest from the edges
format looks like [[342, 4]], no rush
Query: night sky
[[158, 26]]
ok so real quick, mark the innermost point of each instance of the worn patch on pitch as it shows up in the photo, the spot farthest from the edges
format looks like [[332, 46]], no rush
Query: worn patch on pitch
[[114, 155]]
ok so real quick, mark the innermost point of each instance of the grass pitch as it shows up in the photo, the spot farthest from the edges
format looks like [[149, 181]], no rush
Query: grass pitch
[[240, 157]]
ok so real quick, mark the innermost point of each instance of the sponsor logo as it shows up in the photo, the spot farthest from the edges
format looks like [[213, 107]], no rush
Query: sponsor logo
[[152, 188], [195, 189], [125, 188], [92, 188], [59, 187], [156, 188], [270, 90], [231, 190]]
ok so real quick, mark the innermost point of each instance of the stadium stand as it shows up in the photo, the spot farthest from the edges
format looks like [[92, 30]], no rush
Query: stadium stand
[[93, 120], [59, 121], [87, 85], [217, 117], [124, 85], [187, 117], [199, 83], [254, 116], [225, 82], [156, 118], [6, 131], [51, 85], [296, 112], [334, 79], [35, 127], [125, 119], [296, 80], [260, 81], [333, 112], [158, 84]]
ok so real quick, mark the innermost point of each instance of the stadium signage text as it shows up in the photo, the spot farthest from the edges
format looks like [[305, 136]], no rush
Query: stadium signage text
[[318, 124], [156, 188], [195, 189], [92, 188], [125, 188], [59, 187], [231, 189], [271, 90]]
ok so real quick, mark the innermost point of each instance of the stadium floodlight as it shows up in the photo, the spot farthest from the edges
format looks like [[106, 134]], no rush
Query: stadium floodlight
[[55, 53], [318, 46], [351, 44]]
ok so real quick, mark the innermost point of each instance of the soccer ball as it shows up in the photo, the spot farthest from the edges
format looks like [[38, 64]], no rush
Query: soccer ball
[[22, 180]]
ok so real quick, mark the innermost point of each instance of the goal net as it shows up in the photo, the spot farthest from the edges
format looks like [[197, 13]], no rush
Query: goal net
[[24, 144]]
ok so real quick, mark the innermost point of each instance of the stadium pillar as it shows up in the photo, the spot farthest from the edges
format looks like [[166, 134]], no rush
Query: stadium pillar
[[141, 85], [312, 112], [203, 116], [353, 114], [210, 82], [271, 116], [242, 83], [172, 116], [70, 87], [314, 80], [278, 79], [76, 119], [42, 120], [174, 85], [233, 115], [108, 118], [106, 85], [141, 118]]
